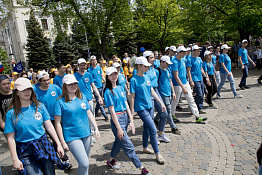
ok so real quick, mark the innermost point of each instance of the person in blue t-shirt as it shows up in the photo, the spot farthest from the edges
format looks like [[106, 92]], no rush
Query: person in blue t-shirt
[[115, 101], [157, 61], [243, 58], [210, 74], [30, 149], [181, 84], [61, 73], [73, 111], [97, 75], [153, 75], [47, 94], [165, 86], [141, 91], [225, 72], [194, 72]]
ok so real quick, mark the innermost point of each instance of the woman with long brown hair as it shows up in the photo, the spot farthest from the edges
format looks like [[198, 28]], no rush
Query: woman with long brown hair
[[73, 111], [31, 151]]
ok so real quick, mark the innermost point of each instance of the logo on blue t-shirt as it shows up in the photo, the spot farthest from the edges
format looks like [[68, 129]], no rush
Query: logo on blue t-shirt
[[53, 93], [123, 78], [83, 105], [38, 116], [98, 72], [122, 93], [148, 83], [86, 80]]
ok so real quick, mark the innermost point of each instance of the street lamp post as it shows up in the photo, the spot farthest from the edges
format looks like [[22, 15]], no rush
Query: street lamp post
[[10, 48]]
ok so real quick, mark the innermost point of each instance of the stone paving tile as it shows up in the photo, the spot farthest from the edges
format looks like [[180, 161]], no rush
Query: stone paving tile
[[225, 144]]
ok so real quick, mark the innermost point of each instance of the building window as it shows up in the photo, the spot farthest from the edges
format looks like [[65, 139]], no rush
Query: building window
[[44, 24]]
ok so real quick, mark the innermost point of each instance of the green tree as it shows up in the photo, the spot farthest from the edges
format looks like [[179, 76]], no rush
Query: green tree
[[5, 63], [64, 49], [104, 20], [39, 53], [157, 22]]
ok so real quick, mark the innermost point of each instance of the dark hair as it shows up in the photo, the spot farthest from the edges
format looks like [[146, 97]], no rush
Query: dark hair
[[60, 65], [109, 85], [21, 75]]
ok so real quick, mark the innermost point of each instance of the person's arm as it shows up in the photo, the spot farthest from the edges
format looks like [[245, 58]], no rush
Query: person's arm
[[172, 89], [131, 124], [190, 77], [17, 164], [59, 131], [207, 77], [93, 121], [2, 123], [128, 93], [97, 93], [120, 132], [132, 100], [153, 93], [179, 82], [240, 61], [51, 130], [251, 60], [224, 67]]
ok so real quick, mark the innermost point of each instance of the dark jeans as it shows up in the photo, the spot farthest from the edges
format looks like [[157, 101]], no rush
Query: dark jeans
[[100, 90], [259, 63], [244, 77], [211, 90], [199, 90], [34, 166], [65, 158]]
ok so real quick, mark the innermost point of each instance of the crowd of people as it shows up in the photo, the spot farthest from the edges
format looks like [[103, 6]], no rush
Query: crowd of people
[[66, 100]]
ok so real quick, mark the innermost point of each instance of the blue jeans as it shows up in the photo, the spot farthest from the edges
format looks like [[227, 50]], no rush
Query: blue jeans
[[225, 76], [81, 149], [125, 143], [244, 77], [34, 166], [199, 90], [146, 116], [167, 101], [100, 90], [162, 115], [260, 170]]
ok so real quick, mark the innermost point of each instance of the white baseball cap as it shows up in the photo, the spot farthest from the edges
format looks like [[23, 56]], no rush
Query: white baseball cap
[[81, 60], [147, 53], [207, 53], [166, 48], [181, 49], [210, 47], [110, 70], [244, 41], [22, 84], [115, 65], [142, 60], [173, 48], [42, 74], [188, 49], [69, 79], [92, 57], [195, 47], [225, 46], [166, 59]]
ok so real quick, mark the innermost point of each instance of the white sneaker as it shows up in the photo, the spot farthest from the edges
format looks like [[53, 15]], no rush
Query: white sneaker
[[163, 138], [239, 96], [219, 96], [158, 142]]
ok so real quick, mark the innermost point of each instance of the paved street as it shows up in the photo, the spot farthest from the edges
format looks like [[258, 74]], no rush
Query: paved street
[[225, 144]]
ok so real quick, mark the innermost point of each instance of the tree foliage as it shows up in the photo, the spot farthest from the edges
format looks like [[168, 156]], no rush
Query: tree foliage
[[5, 63], [5, 10], [39, 53]]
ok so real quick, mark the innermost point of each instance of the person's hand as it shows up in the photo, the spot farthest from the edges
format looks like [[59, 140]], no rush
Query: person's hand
[[174, 96], [100, 101], [18, 165], [192, 84], [97, 134], [120, 134], [163, 108], [184, 90], [229, 74], [129, 95], [254, 64], [60, 150], [208, 83], [243, 67], [132, 127], [65, 146]]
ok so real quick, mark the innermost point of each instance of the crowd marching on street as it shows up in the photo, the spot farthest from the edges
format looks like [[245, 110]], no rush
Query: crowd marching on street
[[60, 105]]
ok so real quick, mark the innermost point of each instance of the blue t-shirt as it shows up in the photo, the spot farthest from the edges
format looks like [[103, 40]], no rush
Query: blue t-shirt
[[48, 97], [58, 80], [74, 118], [142, 89], [29, 125], [208, 67], [227, 61], [156, 63], [121, 80], [164, 87], [180, 67], [117, 100], [195, 64], [134, 72], [96, 73], [214, 59], [84, 84], [153, 74], [243, 54]]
